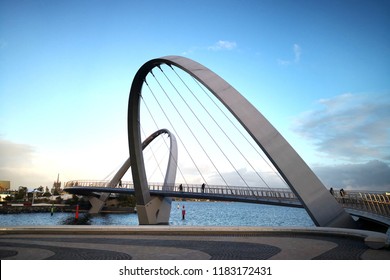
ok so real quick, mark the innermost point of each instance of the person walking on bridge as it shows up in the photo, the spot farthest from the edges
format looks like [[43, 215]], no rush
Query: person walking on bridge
[[203, 186], [342, 194]]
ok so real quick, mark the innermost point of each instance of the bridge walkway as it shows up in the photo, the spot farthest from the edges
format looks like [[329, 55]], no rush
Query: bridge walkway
[[371, 206]]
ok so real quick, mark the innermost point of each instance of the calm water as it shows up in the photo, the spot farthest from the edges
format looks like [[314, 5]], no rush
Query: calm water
[[197, 214]]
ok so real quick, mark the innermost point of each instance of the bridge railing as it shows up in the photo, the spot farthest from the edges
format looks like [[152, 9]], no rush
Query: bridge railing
[[376, 203], [98, 184], [241, 191]]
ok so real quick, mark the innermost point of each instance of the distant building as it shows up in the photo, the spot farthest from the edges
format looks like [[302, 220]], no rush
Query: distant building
[[3, 196], [56, 189], [5, 186]]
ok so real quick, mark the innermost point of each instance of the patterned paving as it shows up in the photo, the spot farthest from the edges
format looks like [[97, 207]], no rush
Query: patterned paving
[[221, 247]]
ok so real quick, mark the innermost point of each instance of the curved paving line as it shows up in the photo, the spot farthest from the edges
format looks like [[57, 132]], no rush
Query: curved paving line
[[136, 251], [18, 252], [64, 253], [5, 253], [217, 250], [347, 249]]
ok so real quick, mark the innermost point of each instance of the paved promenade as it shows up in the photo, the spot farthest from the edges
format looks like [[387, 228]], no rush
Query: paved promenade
[[189, 243]]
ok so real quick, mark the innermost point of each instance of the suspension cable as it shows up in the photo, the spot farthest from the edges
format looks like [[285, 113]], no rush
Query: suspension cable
[[154, 156], [239, 131], [222, 130], [174, 130], [189, 128], [157, 128], [207, 131], [111, 173]]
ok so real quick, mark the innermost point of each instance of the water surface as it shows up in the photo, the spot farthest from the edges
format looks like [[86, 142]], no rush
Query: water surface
[[197, 214]]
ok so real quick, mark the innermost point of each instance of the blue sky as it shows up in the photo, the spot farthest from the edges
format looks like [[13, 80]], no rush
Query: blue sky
[[318, 70]]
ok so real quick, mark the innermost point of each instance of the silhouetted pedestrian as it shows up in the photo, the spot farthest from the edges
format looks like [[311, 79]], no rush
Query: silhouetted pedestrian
[[331, 191], [181, 187], [342, 194], [203, 186]]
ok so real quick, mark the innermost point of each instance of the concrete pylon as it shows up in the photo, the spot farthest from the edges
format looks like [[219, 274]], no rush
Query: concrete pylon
[[156, 212], [98, 203], [153, 210]]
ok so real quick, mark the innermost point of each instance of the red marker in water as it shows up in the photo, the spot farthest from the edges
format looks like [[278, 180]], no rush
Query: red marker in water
[[77, 211]]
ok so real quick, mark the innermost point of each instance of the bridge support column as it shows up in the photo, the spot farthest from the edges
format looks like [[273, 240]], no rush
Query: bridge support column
[[97, 203], [156, 212]]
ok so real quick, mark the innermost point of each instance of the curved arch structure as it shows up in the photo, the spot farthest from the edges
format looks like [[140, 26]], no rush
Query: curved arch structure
[[161, 214], [320, 205]]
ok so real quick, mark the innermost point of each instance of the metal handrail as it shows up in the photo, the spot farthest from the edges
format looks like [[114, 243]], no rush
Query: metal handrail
[[370, 202], [376, 203]]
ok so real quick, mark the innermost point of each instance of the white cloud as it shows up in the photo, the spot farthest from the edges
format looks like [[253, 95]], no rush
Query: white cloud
[[223, 45], [297, 50], [17, 164], [247, 177], [373, 175], [25, 165], [350, 127], [14, 154], [190, 51], [354, 129]]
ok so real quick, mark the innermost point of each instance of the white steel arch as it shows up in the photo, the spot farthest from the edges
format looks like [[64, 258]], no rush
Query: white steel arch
[[320, 205], [162, 205]]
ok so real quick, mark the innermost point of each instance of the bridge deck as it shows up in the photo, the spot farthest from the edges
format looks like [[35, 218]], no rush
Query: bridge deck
[[371, 206]]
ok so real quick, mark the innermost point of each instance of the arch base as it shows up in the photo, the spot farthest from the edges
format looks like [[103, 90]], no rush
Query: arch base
[[156, 212], [97, 203]]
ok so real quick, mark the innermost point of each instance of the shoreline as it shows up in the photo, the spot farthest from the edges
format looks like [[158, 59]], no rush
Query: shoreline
[[47, 208]]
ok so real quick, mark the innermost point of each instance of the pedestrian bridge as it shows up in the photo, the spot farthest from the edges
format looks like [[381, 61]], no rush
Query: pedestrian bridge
[[224, 140], [370, 207]]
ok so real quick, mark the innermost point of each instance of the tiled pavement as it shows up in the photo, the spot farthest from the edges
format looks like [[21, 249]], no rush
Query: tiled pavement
[[164, 242]]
